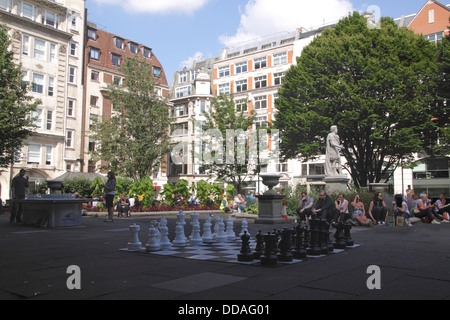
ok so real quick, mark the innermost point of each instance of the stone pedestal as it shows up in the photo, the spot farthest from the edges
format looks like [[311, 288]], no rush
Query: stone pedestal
[[335, 184], [270, 203]]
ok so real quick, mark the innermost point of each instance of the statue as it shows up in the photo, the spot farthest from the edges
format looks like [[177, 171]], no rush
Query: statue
[[333, 163]]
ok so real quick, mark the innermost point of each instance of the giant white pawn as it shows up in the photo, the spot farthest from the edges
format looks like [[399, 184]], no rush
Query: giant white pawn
[[207, 234], [181, 220], [165, 242], [244, 228], [221, 235], [180, 237], [134, 244], [195, 239], [154, 241], [231, 236]]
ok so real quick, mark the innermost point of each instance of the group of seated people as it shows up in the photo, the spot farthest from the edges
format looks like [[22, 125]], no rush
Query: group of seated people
[[340, 209], [238, 203]]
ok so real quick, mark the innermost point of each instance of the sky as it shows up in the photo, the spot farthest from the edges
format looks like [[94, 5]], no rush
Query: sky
[[180, 31]]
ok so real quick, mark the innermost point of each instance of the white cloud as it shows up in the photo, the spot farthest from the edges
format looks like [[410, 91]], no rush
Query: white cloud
[[157, 6], [265, 17]]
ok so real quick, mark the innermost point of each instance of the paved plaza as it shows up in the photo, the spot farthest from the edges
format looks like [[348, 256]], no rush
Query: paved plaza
[[414, 264]]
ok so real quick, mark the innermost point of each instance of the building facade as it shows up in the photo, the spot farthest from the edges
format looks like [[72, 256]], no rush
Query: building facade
[[47, 40], [104, 53]]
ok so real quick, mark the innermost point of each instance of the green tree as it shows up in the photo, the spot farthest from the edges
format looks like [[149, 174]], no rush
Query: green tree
[[135, 139], [16, 124], [377, 85], [230, 165]]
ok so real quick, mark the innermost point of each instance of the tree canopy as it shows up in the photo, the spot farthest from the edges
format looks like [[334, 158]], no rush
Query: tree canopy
[[376, 84], [16, 124], [135, 139]]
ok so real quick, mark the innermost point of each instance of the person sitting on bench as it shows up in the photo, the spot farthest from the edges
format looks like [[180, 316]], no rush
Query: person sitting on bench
[[123, 206]]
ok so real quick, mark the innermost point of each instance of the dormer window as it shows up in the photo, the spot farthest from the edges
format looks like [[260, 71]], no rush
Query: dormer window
[[120, 43], [134, 48]]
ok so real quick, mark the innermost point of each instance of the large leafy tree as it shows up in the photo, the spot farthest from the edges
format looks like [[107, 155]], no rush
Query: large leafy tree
[[15, 104], [376, 84], [135, 140]]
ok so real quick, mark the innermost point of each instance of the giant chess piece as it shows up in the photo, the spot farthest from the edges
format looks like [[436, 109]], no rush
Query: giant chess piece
[[165, 242], [221, 236], [216, 226], [259, 250], [154, 241], [284, 246], [245, 254], [323, 244], [269, 258], [347, 236], [207, 233], [181, 219], [231, 236], [314, 249], [180, 237], [195, 239], [299, 251], [339, 242], [329, 242], [134, 244], [244, 228]]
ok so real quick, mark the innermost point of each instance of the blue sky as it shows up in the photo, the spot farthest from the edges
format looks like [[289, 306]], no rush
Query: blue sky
[[179, 30]]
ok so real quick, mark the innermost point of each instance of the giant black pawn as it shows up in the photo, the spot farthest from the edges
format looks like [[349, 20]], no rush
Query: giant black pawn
[[299, 251], [347, 236], [314, 249], [323, 243], [339, 236], [269, 258], [285, 246], [259, 250], [246, 254]]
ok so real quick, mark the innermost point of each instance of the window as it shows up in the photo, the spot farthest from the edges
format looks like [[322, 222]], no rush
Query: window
[[224, 88], [6, 5], [261, 102], [36, 118], [38, 83], [241, 85], [147, 52], [50, 19], [71, 108], [241, 105], [120, 43], [260, 82], [51, 86], [25, 79], [74, 23], [202, 106], [180, 110], [134, 48], [282, 167], [157, 72], [260, 122], [241, 67], [181, 129], [183, 92], [95, 75], [94, 53], [34, 154], [49, 123], [91, 166], [115, 59], [52, 53], [182, 77], [280, 58], [48, 155], [260, 63], [39, 49], [224, 71], [93, 118], [278, 78], [431, 16], [92, 34], [94, 101], [25, 45], [73, 49], [27, 10], [117, 80], [91, 145], [69, 138], [72, 75]]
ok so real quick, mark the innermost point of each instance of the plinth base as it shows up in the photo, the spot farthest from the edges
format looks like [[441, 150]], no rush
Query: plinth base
[[335, 184], [270, 209]]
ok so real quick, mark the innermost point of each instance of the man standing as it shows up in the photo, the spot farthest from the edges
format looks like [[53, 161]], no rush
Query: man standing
[[19, 185], [324, 207]]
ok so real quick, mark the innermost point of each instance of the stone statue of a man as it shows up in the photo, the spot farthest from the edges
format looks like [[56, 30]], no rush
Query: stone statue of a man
[[333, 163]]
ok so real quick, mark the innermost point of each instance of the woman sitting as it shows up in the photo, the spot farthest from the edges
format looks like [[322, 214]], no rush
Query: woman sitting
[[359, 212], [378, 209]]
